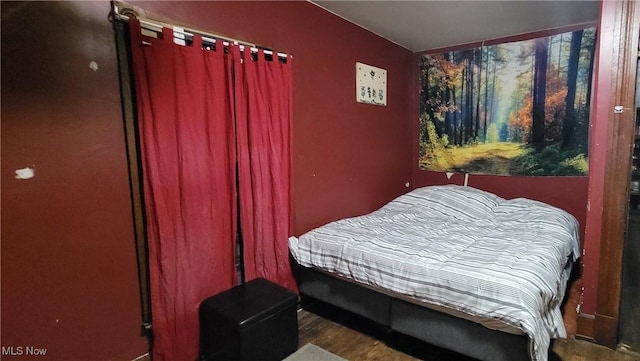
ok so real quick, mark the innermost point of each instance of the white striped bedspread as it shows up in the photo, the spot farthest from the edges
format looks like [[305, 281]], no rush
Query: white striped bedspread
[[460, 248]]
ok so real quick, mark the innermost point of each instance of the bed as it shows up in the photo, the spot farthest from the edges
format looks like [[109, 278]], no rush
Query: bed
[[454, 266]]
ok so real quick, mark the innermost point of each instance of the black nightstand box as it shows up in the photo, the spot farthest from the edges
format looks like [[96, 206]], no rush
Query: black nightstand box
[[255, 321]]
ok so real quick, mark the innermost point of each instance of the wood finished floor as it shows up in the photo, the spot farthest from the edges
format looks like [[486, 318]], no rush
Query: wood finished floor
[[356, 339]]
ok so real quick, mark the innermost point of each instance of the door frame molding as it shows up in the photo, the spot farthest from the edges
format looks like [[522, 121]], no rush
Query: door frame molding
[[619, 140]]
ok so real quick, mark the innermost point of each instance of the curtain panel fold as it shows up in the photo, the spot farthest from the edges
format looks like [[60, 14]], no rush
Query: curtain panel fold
[[187, 140], [263, 93], [200, 114]]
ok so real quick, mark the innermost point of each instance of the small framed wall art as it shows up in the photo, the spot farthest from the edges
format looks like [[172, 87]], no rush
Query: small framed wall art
[[371, 84]]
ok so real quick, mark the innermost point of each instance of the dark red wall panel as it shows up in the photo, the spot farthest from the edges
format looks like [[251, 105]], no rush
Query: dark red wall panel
[[69, 276]]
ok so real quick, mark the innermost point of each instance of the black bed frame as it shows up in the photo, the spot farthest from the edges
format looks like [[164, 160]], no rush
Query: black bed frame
[[463, 336]]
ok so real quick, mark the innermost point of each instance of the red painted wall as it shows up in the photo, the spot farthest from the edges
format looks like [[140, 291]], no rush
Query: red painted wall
[[348, 158], [69, 276]]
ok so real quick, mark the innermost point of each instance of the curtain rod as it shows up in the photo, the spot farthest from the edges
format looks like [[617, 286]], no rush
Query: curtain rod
[[120, 11]]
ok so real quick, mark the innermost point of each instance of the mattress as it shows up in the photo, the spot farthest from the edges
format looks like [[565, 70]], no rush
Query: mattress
[[504, 263]]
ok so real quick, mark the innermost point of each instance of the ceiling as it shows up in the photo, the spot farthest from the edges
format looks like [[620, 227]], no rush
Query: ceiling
[[424, 25]]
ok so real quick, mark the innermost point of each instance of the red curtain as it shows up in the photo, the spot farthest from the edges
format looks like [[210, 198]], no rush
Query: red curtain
[[263, 93], [187, 138]]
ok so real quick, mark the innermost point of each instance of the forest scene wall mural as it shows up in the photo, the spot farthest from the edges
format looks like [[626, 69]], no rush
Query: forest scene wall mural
[[518, 108]]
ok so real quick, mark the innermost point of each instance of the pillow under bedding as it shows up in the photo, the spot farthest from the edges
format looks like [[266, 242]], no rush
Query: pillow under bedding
[[451, 201]]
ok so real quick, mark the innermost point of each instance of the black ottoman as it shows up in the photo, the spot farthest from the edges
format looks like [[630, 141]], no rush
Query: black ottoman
[[255, 321]]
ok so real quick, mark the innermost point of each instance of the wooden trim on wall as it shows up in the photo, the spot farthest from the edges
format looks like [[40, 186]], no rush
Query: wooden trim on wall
[[620, 137], [585, 327], [606, 330]]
